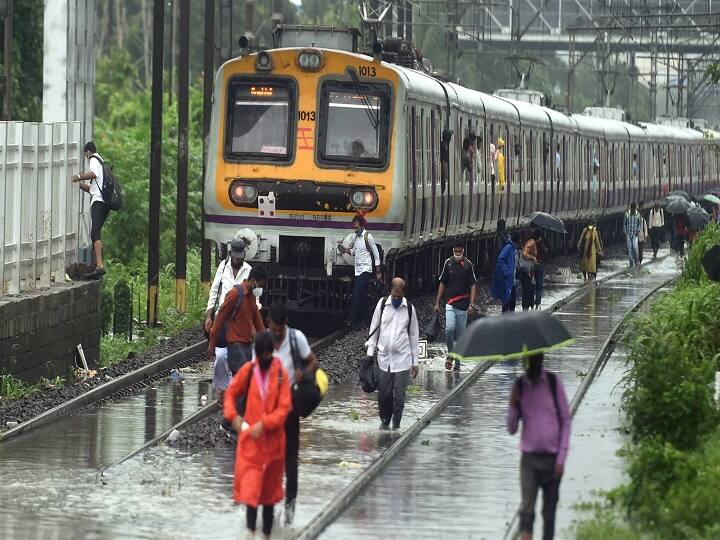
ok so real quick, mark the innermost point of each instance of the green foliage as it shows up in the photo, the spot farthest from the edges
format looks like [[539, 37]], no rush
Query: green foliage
[[123, 137], [106, 306], [27, 64], [672, 355], [122, 317], [712, 73], [13, 388], [116, 348], [693, 272]]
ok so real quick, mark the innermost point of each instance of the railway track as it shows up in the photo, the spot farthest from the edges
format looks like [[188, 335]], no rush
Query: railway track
[[359, 499]]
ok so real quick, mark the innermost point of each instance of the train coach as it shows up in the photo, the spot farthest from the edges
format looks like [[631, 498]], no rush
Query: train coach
[[303, 138]]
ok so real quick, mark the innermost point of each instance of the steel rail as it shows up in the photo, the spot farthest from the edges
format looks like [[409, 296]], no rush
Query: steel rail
[[598, 363], [342, 500], [213, 407]]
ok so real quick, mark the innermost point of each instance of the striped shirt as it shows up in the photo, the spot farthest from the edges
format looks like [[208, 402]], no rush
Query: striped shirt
[[632, 223]]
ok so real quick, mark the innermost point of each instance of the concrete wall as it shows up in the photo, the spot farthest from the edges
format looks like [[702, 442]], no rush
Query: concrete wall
[[40, 330]]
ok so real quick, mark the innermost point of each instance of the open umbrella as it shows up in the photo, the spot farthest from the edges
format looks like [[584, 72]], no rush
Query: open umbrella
[[547, 221], [714, 191], [677, 205], [698, 218], [712, 198], [511, 335], [679, 193]]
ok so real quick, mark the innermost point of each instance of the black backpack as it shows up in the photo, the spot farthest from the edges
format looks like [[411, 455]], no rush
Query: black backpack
[[111, 189]]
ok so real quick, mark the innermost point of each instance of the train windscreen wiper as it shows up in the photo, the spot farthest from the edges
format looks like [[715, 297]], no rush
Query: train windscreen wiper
[[373, 117]]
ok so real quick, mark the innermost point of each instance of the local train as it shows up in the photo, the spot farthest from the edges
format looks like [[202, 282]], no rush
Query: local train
[[303, 138]]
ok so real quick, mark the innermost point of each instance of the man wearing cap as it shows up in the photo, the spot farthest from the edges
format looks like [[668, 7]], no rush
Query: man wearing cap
[[367, 261], [226, 277], [458, 280]]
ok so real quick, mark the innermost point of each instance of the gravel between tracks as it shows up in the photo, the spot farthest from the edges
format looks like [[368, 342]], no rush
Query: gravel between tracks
[[24, 409]]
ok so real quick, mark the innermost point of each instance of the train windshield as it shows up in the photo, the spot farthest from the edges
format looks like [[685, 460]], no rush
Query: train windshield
[[354, 124], [259, 120]]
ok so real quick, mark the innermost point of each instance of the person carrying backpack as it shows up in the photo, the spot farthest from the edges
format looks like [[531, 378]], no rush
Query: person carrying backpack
[[539, 399], [99, 208], [292, 349], [395, 335], [367, 262]]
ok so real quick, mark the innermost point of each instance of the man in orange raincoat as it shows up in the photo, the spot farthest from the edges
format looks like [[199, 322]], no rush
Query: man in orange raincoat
[[260, 456]]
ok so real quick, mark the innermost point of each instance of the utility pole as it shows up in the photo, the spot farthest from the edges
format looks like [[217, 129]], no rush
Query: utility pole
[[182, 164], [8, 57], [208, 75], [156, 119]]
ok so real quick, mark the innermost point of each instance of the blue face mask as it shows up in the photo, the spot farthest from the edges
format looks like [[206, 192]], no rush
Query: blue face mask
[[396, 302], [359, 231]]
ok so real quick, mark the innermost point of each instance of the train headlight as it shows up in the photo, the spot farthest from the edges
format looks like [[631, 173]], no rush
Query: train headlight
[[310, 60], [263, 62], [242, 194], [362, 198]]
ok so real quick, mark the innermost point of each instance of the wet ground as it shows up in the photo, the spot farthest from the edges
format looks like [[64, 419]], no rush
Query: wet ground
[[51, 486], [459, 477]]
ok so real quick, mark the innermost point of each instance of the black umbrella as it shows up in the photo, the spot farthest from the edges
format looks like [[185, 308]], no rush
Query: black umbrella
[[677, 205], [511, 335], [698, 218], [679, 193], [547, 221]]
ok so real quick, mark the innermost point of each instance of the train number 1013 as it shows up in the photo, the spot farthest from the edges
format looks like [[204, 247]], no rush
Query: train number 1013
[[307, 116], [367, 71]]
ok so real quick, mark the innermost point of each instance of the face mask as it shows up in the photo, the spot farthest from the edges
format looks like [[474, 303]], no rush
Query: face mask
[[236, 263], [257, 291], [359, 231], [277, 338], [396, 302], [265, 361], [457, 257]]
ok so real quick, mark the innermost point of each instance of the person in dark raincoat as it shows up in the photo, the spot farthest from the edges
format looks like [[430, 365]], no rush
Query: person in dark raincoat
[[503, 284], [260, 455]]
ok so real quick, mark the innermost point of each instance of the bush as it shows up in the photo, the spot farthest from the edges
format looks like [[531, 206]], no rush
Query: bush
[[693, 272], [672, 356]]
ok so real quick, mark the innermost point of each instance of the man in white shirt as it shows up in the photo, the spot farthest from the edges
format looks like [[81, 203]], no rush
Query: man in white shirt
[[656, 224], [367, 261], [293, 350], [395, 335], [98, 209], [226, 277], [558, 162]]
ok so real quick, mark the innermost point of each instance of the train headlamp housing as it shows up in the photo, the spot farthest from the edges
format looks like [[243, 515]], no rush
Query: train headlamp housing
[[242, 193], [263, 61], [364, 198], [310, 60]]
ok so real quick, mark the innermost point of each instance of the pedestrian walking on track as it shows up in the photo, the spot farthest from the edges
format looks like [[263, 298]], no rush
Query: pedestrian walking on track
[[538, 399], [657, 224], [226, 277], [260, 453], [458, 280], [291, 348], [395, 335], [243, 319], [590, 248], [632, 226], [503, 284]]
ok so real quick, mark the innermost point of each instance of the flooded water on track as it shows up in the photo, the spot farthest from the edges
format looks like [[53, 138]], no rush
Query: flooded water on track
[[459, 477], [51, 487]]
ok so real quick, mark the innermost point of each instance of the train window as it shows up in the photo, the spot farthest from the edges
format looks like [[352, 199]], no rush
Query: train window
[[354, 123], [259, 119]]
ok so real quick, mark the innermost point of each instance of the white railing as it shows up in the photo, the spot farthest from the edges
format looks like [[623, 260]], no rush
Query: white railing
[[44, 218]]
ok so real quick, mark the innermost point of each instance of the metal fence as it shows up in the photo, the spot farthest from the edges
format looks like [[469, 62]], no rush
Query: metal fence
[[44, 217]]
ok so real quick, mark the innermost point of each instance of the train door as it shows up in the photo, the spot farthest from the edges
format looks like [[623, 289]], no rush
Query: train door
[[411, 206], [434, 160], [420, 180], [484, 157]]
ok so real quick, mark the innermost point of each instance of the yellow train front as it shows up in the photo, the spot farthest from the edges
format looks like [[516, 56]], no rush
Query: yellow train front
[[300, 142]]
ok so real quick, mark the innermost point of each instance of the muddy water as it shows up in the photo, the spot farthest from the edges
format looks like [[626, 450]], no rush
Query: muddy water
[[51, 488], [459, 478]]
